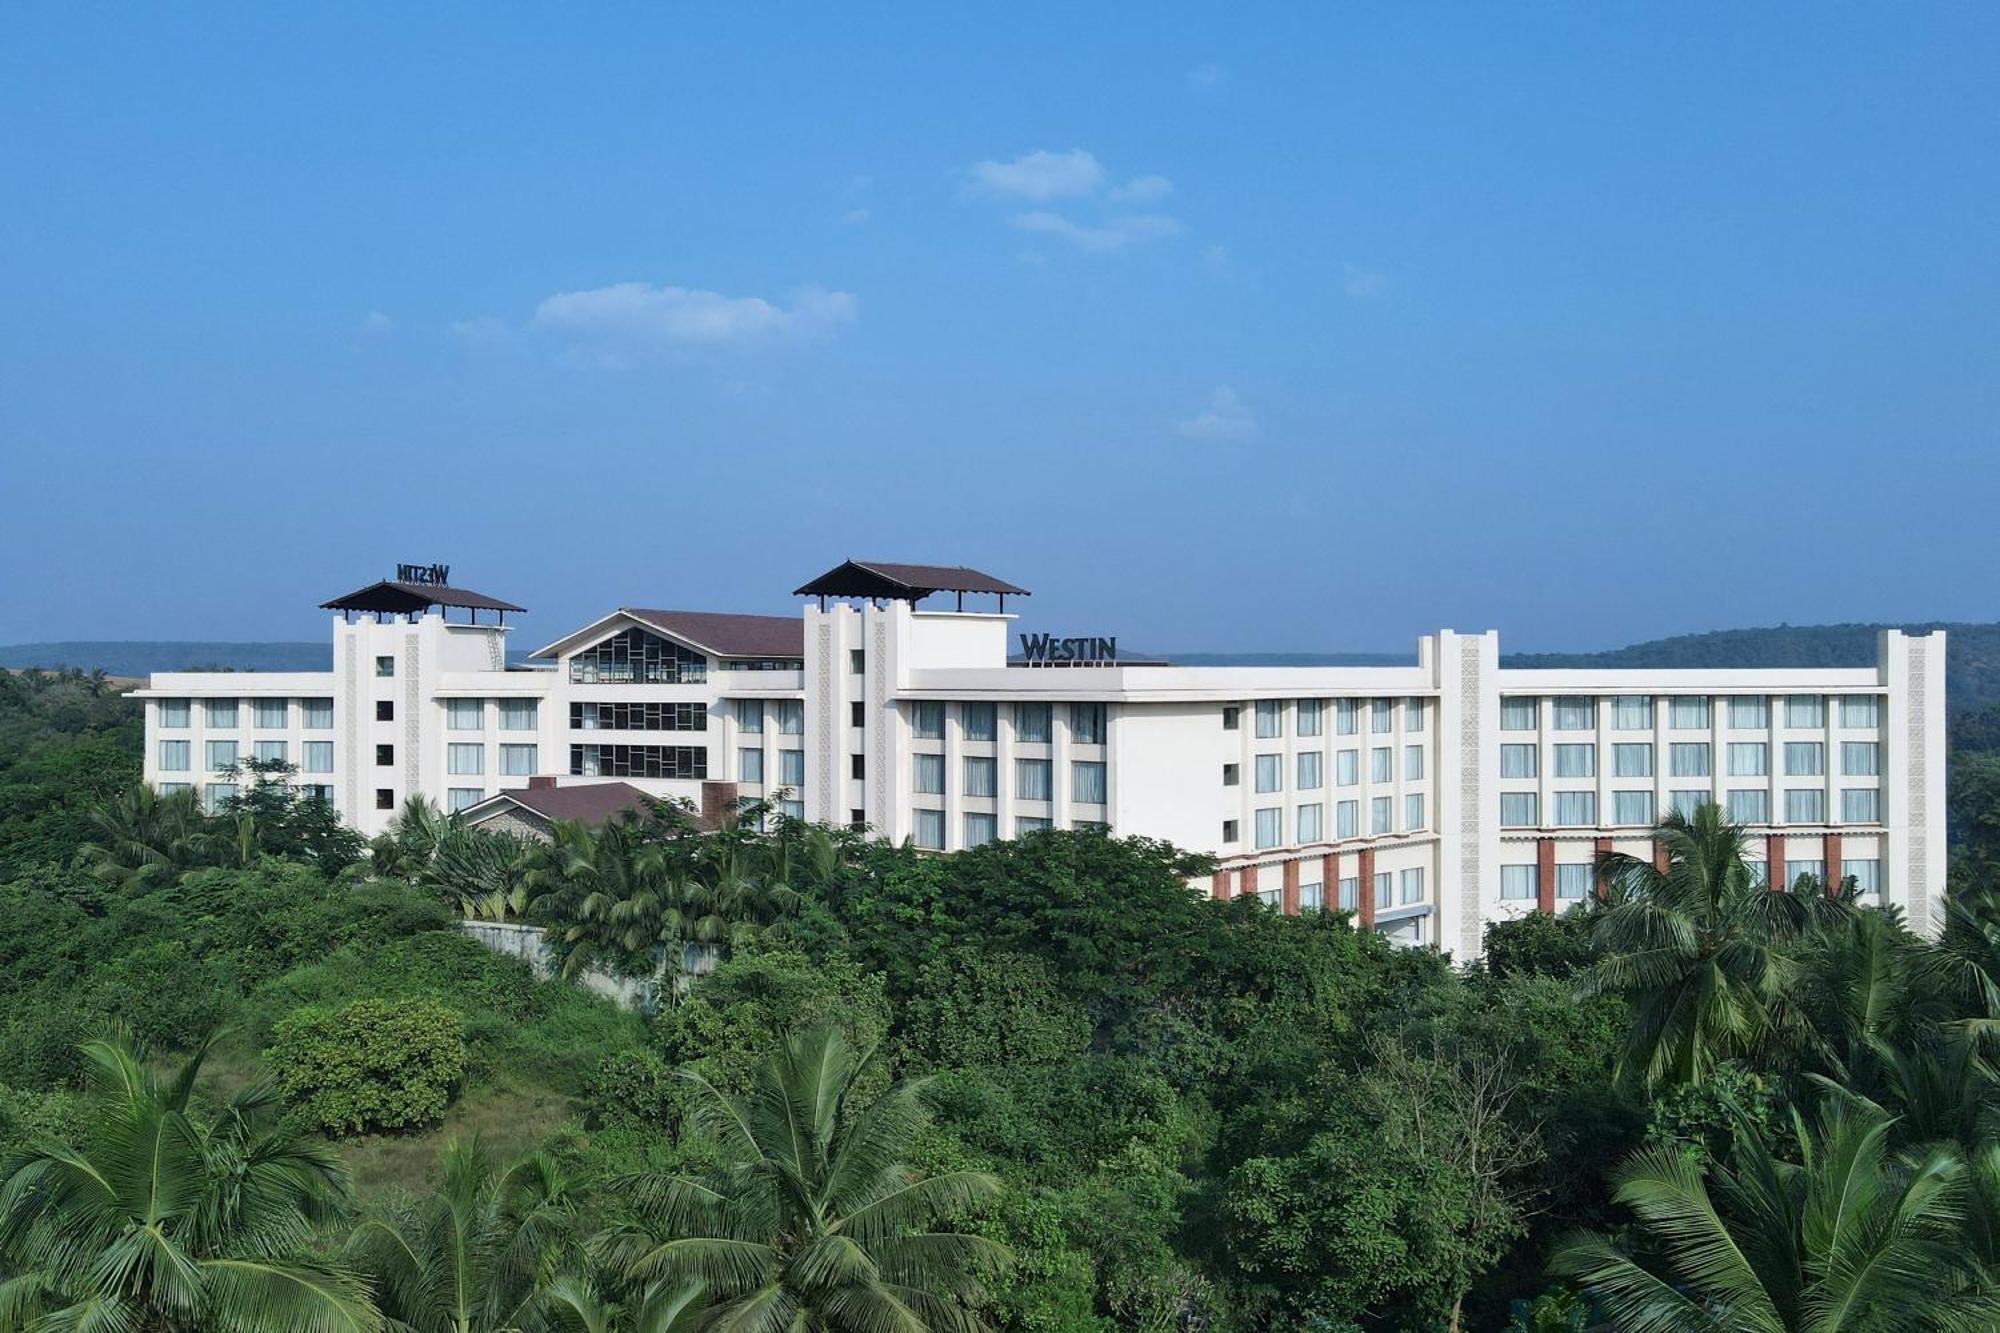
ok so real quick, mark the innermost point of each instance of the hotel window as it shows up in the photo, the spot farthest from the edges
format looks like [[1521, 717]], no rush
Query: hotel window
[[977, 721], [857, 766], [1573, 880], [1229, 831], [1270, 718], [1031, 724], [1804, 759], [1749, 805], [1632, 761], [1312, 896], [1348, 893], [1688, 759], [1861, 805], [1749, 759], [1269, 827], [316, 714], [1232, 775], [465, 759], [790, 715], [929, 829], [460, 798], [1631, 807], [927, 774], [1086, 724], [1860, 710], [1311, 770], [1381, 815], [217, 795], [1270, 774], [1805, 805], [857, 661], [1520, 883], [1687, 800], [517, 761], [1346, 716], [1026, 824], [750, 716], [1573, 712], [791, 768], [1309, 717], [1413, 715], [1232, 717], [385, 665], [857, 713], [1749, 712], [273, 714], [794, 810], [270, 752], [1347, 768], [1576, 808], [1311, 822], [385, 798], [221, 756], [1034, 780], [1805, 710], [1519, 761], [318, 757], [980, 829], [321, 792], [1411, 886], [634, 657], [174, 712], [1860, 759], [221, 713], [1413, 812], [1381, 764], [1519, 809], [1576, 761], [1812, 870], [927, 720], [1087, 781], [750, 764], [1382, 716], [1759, 871], [638, 761], [1688, 713], [385, 710], [175, 756], [1867, 874], [980, 776], [1413, 763], [1632, 712], [642, 716], [465, 714], [1520, 714], [1385, 888], [1272, 898], [1347, 819], [519, 714]]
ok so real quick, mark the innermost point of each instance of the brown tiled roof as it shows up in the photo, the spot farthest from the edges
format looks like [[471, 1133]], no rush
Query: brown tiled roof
[[730, 635], [585, 803], [885, 578], [388, 595]]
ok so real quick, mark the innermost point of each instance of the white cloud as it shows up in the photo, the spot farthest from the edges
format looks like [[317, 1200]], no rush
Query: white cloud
[[1361, 284], [375, 323], [1226, 417], [635, 313], [1040, 175], [1115, 234], [854, 217], [1143, 190], [1206, 76]]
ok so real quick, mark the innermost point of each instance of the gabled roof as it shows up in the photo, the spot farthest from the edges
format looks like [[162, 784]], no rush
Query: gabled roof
[[717, 633], [884, 578], [390, 596], [585, 803]]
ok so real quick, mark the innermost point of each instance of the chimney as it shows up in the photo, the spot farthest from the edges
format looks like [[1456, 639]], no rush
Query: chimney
[[718, 801]]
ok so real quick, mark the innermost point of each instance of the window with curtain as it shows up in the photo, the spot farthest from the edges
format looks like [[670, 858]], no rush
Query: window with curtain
[[1860, 759], [1410, 886], [1268, 827], [1632, 760], [977, 720], [273, 714], [1381, 815], [1520, 884], [1867, 874], [221, 756], [792, 809], [171, 788], [1805, 710], [1310, 821], [1749, 712], [1413, 716], [790, 715], [1688, 713], [521, 714], [1270, 776], [1026, 824], [1861, 805], [1086, 724], [1573, 712], [461, 798], [1576, 807], [1631, 807], [1087, 781], [1347, 819], [1520, 714], [1749, 805], [1573, 880], [927, 720], [1270, 718], [927, 774], [1519, 761], [980, 829], [215, 796], [980, 776], [750, 764], [1860, 710], [1688, 759], [1312, 895], [174, 712], [1519, 809], [1576, 761], [791, 768], [1347, 894], [750, 716], [1413, 812], [1381, 716], [1804, 759], [316, 714], [465, 714], [465, 759], [270, 752], [1309, 717], [1381, 764], [1632, 712], [1805, 805], [517, 761], [1346, 716], [1347, 768], [176, 756], [1031, 724], [1687, 800], [1749, 759], [1034, 780], [318, 757], [1385, 888], [1813, 870], [1309, 770], [221, 713], [1272, 897], [927, 828], [1413, 763]]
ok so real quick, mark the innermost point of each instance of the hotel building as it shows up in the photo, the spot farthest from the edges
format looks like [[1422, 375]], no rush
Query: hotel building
[[1428, 799]]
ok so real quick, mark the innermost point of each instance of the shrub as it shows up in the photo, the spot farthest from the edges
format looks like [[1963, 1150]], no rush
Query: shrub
[[375, 1064], [167, 998], [633, 1087], [974, 1009]]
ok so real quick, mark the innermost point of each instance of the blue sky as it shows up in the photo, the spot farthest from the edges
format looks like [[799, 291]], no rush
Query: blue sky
[[1304, 328]]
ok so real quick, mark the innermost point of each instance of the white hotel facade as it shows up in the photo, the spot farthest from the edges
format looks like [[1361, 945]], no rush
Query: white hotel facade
[[1428, 799]]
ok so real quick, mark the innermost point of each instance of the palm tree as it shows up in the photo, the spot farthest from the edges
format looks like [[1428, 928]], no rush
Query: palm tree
[[813, 1220], [1699, 947], [144, 839], [1851, 1239], [476, 1256], [573, 1302], [165, 1221], [408, 845]]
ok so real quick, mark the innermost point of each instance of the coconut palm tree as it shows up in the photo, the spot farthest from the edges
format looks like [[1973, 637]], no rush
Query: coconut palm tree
[[409, 844], [1849, 1238], [477, 1255], [578, 1303], [165, 1221], [1700, 948], [813, 1220], [144, 839]]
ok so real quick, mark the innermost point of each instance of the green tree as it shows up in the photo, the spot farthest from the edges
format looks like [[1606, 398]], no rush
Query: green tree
[[162, 1220], [812, 1219], [142, 839]]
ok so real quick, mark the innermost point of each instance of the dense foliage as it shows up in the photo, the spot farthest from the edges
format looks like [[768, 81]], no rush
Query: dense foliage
[[372, 1064]]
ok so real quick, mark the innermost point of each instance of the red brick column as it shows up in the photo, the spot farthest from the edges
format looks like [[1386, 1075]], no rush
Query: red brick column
[[1246, 880], [1218, 885], [1545, 875], [1288, 893], [1832, 856], [1364, 892], [1774, 862], [1329, 881], [1603, 885]]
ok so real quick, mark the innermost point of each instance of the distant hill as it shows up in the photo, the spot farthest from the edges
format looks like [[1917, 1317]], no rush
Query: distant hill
[[138, 657]]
